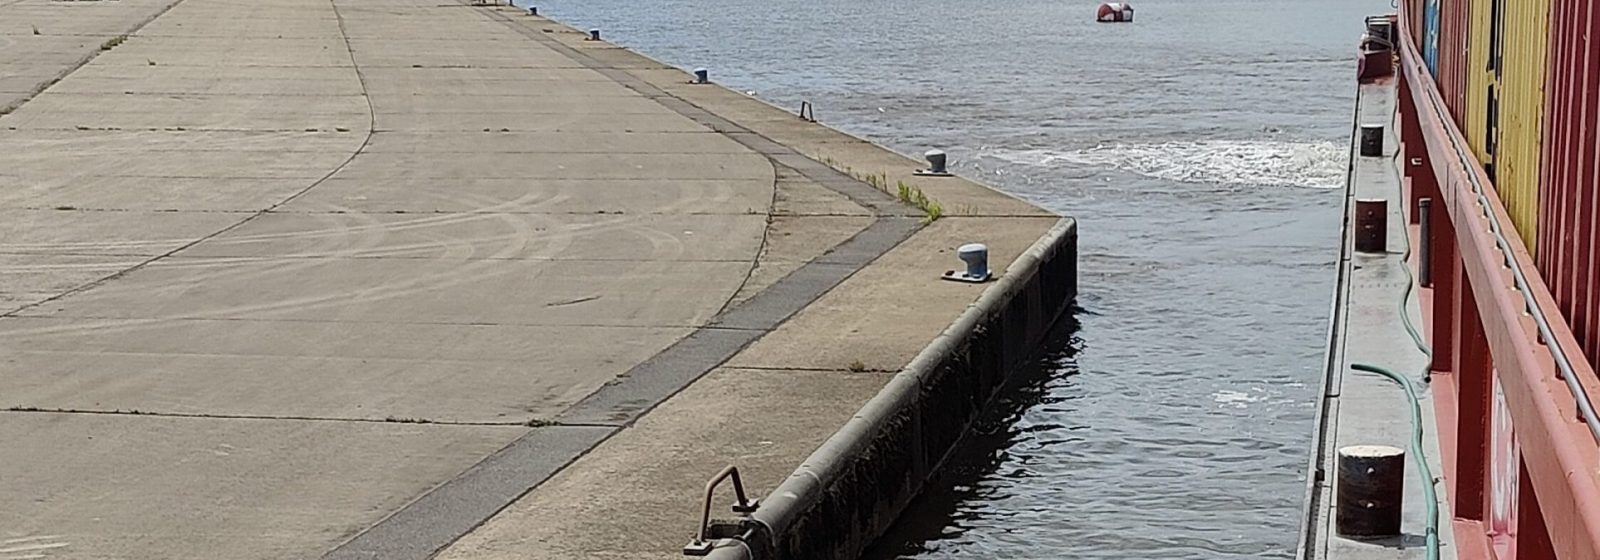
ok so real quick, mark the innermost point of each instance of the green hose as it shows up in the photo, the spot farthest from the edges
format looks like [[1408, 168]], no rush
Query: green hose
[[1424, 472]]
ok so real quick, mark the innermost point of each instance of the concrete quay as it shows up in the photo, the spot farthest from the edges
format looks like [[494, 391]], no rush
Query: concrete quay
[[313, 278]]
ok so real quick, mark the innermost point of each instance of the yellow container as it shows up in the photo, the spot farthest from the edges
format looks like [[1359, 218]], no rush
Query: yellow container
[[1522, 79], [1480, 79]]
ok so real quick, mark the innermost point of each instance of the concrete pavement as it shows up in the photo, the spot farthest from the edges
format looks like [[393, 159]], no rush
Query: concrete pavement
[[295, 278]]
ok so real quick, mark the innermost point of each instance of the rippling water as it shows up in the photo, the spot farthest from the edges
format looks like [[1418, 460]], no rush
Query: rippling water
[[1200, 148]]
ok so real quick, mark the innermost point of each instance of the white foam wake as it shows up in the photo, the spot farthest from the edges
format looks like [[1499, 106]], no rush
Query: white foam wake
[[1320, 165]]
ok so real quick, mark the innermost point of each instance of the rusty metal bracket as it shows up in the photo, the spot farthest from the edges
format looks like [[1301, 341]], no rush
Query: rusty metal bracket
[[702, 545]]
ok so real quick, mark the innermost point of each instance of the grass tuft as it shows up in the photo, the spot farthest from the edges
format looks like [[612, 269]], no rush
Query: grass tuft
[[913, 196], [931, 209]]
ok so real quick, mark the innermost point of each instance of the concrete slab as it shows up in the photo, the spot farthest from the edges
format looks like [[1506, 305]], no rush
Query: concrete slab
[[29, 279], [435, 78], [798, 196], [25, 79], [446, 290], [42, 40], [720, 420], [533, 104], [56, 163], [142, 487], [187, 45], [259, 118], [54, 51], [72, 232], [706, 142], [163, 194], [178, 74], [244, 22], [15, 145], [804, 238], [376, 53], [793, 241], [487, 121], [286, 53], [575, 195], [173, 103], [209, 84], [439, 23], [597, 237], [492, 373], [19, 19], [398, 83], [386, 166]]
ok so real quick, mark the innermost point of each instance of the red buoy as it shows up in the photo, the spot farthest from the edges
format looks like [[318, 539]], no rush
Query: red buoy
[[1115, 12]]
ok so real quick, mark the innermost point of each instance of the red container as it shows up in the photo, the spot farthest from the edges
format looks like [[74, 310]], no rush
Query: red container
[[1567, 228], [1413, 12], [1453, 33], [1507, 417]]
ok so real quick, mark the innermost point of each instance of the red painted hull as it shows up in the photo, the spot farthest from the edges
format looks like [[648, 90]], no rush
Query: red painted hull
[[1521, 468]]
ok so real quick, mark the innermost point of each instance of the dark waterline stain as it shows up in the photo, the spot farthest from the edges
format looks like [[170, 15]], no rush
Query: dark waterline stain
[[982, 453]]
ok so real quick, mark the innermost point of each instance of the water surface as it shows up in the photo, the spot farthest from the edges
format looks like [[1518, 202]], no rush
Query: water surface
[[1201, 148]]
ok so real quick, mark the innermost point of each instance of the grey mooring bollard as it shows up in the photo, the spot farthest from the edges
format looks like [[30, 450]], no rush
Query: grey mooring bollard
[[976, 256], [533, 10], [1371, 140], [594, 34], [1371, 490], [936, 164], [702, 76], [1372, 225]]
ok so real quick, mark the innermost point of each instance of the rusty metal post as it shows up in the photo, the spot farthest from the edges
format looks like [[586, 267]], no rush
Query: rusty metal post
[[703, 543], [1372, 225], [1370, 491], [1425, 242]]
